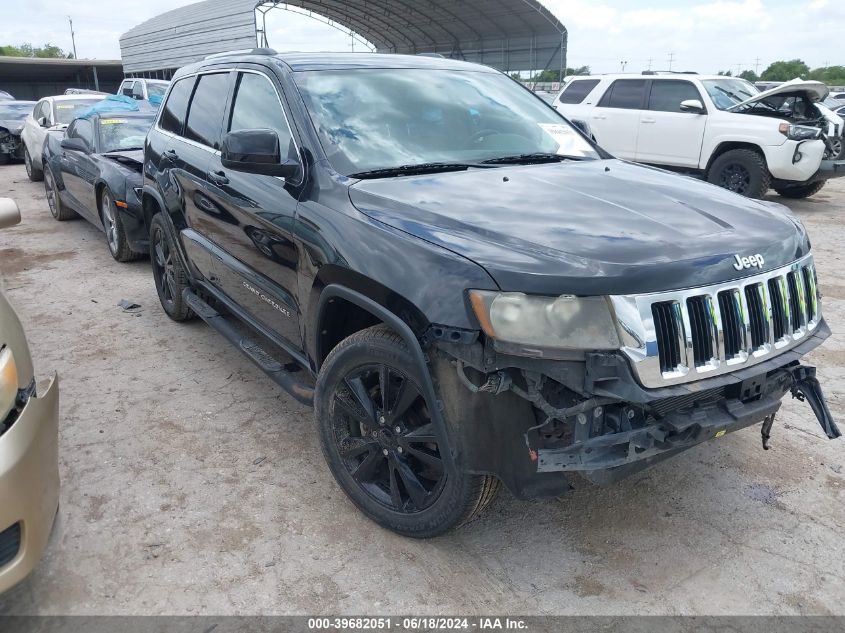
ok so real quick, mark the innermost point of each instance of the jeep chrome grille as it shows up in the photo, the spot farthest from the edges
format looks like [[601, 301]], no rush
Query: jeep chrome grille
[[685, 335]]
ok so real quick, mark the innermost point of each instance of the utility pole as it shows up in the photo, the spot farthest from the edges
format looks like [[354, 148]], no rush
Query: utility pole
[[757, 66], [72, 38], [650, 59], [671, 59], [623, 64]]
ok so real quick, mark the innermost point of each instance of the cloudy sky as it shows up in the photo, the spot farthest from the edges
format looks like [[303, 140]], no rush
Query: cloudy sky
[[704, 36]]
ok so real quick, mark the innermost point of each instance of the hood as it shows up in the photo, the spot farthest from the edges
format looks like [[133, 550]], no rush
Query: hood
[[592, 227], [13, 125], [816, 90]]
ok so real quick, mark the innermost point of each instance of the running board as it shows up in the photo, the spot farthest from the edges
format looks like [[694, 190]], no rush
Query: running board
[[252, 350]]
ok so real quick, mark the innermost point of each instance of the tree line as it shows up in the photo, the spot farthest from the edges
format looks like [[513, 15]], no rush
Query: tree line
[[28, 50], [777, 71]]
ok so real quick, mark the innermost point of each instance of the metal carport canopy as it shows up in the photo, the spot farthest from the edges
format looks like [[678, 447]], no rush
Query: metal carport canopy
[[507, 34]]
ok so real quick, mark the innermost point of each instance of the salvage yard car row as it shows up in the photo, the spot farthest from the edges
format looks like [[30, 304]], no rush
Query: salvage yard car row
[[470, 290]]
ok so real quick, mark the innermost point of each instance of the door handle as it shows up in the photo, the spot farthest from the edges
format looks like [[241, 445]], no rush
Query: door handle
[[218, 178], [599, 116], [648, 120]]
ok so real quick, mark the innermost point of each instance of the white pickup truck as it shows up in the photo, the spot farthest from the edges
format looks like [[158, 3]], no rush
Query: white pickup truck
[[722, 128]]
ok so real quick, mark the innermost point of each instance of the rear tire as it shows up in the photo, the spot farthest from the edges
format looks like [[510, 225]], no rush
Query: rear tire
[[742, 171], [400, 482], [59, 211], [33, 171], [801, 191], [115, 232], [170, 278]]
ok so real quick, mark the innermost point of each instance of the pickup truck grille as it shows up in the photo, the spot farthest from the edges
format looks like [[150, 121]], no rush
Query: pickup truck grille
[[691, 334]]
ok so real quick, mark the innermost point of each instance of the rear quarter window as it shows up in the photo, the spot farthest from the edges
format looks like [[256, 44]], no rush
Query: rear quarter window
[[577, 90]]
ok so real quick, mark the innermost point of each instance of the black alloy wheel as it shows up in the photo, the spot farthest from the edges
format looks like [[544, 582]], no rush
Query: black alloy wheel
[[735, 177], [386, 439]]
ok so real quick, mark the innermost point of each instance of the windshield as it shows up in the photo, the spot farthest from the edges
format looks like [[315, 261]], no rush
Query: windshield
[[727, 92], [122, 134], [67, 111], [15, 111], [382, 118], [156, 90]]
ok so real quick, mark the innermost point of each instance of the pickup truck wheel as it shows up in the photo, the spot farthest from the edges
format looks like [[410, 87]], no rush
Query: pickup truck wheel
[[170, 278], [59, 211], [742, 171], [115, 233], [380, 442], [801, 191], [32, 170]]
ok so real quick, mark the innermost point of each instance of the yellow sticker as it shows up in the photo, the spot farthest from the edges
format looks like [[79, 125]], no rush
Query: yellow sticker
[[111, 121], [720, 433]]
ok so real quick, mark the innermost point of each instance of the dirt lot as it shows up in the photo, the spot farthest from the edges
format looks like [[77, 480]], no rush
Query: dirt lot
[[192, 485]]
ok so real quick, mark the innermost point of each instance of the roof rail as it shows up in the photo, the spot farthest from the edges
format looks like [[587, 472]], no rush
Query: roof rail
[[438, 55], [669, 72], [243, 51]]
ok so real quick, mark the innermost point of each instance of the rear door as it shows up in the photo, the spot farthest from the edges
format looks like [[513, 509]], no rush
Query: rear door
[[616, 118], [183, 153], [254, 225], [668, 136]]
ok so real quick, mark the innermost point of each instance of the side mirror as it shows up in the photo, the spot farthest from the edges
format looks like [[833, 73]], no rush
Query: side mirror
[[692, 105], [138, 91], [75, 145], [9, 213], [256, 152], [42, 121]]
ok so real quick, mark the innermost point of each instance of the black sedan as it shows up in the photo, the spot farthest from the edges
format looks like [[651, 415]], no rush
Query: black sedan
[[12, 116], [94, 169]]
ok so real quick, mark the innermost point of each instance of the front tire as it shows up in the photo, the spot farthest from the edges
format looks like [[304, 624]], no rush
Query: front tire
[[742, 171], [33, 171], [381, 444], [59, 211], [801, 191], [170, 278], [115, 231]]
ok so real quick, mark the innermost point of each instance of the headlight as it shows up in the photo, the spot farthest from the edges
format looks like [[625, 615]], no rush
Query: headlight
[[534, 322], [8, 382], [799, 132]]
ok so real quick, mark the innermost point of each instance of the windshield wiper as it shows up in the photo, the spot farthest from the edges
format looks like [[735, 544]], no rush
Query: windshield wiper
[[524, 159], [124, 149], [411, 170]]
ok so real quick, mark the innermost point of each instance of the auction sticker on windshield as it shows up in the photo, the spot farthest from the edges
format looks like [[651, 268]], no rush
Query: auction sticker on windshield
[[568, 141], [111, 121]]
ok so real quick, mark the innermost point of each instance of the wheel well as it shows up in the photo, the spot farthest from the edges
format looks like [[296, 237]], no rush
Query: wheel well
[[731, 145], [340, 318], [150, 208]]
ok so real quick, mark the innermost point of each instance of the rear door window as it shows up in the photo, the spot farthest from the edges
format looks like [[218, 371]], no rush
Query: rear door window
[[668, 94], [627, 94], [173, 112], [577, 90], [205, 116]]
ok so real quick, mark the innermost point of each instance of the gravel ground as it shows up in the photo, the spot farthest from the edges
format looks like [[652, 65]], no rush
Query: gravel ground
[[192, 485]]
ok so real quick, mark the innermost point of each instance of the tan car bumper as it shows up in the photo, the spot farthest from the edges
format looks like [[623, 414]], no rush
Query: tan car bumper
[[29, 485]]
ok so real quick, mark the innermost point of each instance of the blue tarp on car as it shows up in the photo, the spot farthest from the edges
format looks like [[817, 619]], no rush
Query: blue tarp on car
[[122, 103]]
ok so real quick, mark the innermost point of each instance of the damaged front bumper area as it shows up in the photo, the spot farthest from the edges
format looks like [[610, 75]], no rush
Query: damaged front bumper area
[[530, 421], [10, 145]]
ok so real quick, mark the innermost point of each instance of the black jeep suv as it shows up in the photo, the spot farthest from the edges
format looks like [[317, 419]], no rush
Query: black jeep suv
[[467, 289]]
